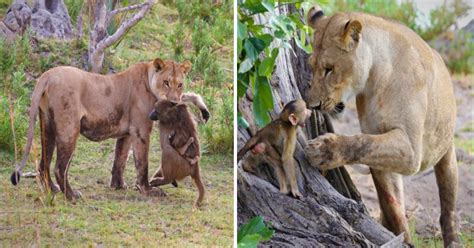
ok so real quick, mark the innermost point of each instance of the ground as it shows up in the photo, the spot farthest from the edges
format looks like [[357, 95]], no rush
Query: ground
[[421, 192], [118, 217]]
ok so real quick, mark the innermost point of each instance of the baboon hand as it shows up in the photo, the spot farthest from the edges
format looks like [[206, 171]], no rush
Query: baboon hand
[[323, 152]]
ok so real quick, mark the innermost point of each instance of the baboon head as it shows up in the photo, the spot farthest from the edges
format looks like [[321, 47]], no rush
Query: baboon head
[[167, 79], [167, 112], [295, 112], [336, 65]]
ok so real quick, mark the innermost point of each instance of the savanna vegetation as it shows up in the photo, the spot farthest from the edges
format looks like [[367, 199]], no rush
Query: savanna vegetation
[[201, 32]]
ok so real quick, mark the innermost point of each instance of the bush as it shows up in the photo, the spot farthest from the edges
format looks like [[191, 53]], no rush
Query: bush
[[14, 94]]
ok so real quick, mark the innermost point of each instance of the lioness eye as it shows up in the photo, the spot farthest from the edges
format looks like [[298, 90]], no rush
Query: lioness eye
[[180, 85], [327, 70]]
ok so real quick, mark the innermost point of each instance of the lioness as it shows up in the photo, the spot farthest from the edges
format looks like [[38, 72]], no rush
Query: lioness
[[405, 105], [70, 101]]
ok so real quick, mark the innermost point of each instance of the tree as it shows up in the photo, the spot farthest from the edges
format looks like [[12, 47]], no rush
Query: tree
[[100, 39], [331, 214]]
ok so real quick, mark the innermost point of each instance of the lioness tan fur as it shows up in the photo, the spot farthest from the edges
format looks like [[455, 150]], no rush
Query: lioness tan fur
[[70, 102], [405, 105]]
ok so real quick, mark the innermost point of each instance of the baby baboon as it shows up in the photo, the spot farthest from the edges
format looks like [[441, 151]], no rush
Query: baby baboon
[[179, 146], [275, 144]]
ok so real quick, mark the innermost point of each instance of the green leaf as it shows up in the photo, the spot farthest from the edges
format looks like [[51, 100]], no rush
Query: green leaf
[[241, 30], [246, 65], [253, 46], [241, 121], [251, 228], [242, 84], [266, 38], [263, 101], [268, 64], [249, 241]]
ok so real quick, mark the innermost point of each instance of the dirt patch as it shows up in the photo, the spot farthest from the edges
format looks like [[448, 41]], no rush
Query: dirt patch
[[421, 192]]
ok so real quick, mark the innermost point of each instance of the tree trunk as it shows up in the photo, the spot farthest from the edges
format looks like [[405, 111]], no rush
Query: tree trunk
[[330, 214], [100, 40]]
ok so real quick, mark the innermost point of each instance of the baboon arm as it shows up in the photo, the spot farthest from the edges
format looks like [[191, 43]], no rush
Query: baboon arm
[[198, 102]]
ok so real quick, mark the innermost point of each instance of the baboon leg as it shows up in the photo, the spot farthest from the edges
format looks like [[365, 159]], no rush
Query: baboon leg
[[158, 173], [273, 158], [48, 143], [182, 150], [121, 153], [200, 186], [159, 181], [140, 153], [65, 150], [447, 178], [389, 188]]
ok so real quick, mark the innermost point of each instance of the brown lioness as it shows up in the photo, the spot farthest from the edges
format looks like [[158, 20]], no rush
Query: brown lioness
[[405, 105], [70, 102]]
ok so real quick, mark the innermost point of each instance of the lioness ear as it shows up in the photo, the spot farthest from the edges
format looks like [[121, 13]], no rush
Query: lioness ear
[[186, 65], [159, 64], [293, 119], [351, 34], [315, 14]]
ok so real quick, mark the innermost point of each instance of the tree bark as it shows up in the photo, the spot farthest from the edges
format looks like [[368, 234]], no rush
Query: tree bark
[[325, 217], [100, 40]]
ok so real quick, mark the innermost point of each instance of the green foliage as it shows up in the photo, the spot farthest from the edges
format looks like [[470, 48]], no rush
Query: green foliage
[[74, 8], [14, 94], [252, 233], [258, 46], [177, 39], [460, 53]]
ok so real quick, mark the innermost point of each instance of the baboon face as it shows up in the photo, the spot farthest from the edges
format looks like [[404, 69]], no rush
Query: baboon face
[[165, 111], [167, 82]]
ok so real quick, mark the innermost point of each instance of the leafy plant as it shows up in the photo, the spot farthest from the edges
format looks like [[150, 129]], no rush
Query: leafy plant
[[258, 45], [253, 232]]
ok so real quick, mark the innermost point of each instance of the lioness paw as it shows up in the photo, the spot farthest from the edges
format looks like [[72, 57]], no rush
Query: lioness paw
[[322, 152]]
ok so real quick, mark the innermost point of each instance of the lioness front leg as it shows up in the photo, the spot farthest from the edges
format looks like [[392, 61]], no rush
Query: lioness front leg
[[140, 152], [121, 153], [392, 151]]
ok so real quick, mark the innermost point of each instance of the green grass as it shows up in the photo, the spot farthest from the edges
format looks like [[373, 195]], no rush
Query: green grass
[[118, 217], [436, 242], [465, 144]]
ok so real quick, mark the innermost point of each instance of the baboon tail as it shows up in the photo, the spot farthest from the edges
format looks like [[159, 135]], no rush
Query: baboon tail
[[34, 109]]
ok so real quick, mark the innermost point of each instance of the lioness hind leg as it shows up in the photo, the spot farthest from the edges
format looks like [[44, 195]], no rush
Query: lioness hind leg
[[389, 188], [48, 143], [447, 178]]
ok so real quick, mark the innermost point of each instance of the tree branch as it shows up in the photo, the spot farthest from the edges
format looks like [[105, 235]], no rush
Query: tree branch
[[125, 26]]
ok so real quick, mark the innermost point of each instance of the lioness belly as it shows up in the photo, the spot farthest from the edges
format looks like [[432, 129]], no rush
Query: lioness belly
[[101, 129]]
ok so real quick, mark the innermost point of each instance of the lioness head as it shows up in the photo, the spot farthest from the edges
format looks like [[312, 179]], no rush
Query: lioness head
[[167, 79], [334, 62]]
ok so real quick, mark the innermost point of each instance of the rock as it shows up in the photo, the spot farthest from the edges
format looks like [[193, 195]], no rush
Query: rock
[[16, 20], [50, 19]]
